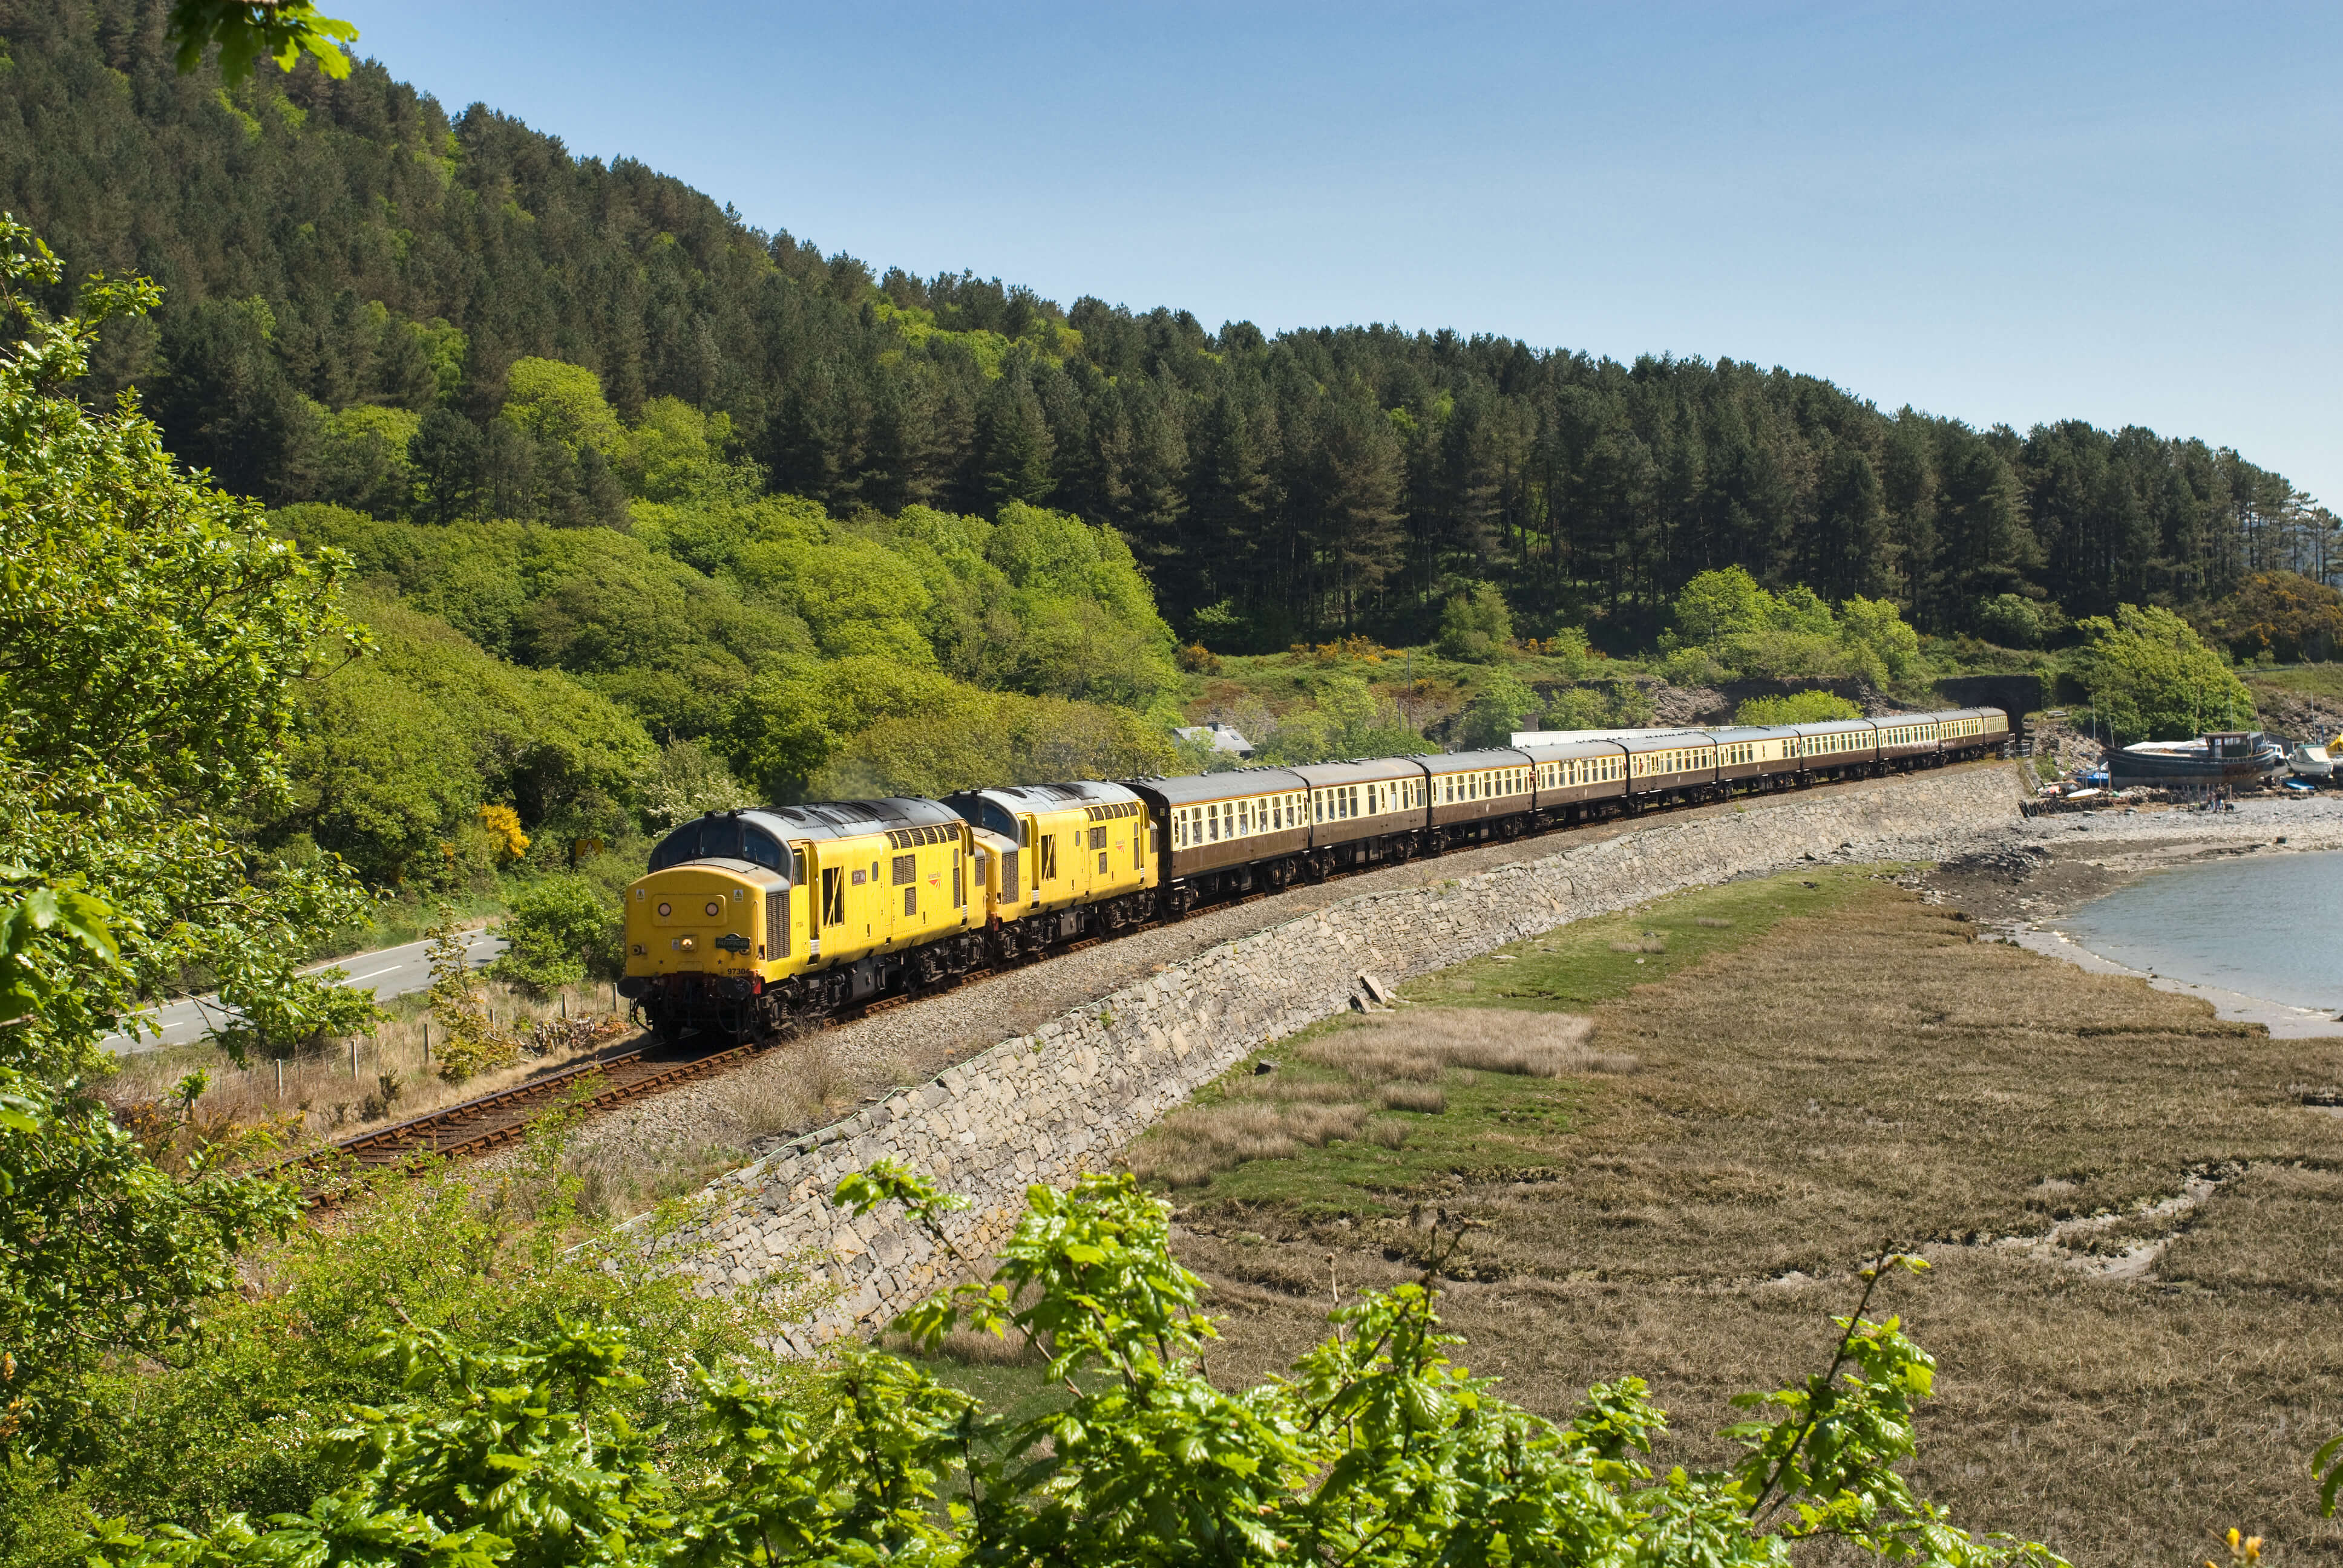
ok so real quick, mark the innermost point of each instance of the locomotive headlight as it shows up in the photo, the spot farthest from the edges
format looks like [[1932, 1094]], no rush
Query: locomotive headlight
[[689, 944], [714, 909], [665, 910]]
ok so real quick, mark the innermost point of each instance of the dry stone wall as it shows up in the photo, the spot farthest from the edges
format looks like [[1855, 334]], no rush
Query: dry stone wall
[[1046, 1106]]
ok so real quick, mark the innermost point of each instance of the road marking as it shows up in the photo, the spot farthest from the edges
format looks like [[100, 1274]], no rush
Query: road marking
[[372, 974]]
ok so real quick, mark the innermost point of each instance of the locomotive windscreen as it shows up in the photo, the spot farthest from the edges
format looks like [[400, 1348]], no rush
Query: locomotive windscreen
[[718, 838]]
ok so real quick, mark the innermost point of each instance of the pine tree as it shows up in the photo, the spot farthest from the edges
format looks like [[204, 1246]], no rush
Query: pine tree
[[1013, 448]]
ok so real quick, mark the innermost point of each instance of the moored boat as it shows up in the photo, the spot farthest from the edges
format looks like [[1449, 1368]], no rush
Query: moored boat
[[2229, 759]]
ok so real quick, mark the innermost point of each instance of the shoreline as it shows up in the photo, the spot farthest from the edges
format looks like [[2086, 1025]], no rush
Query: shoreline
[[2035, 875], [2282, 1021]]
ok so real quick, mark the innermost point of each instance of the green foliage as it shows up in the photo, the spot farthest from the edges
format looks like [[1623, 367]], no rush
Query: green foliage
[[103, 1255], [679, 454], [1796, 708], [150, 638], [470, 1042], [866, 725], [2151, 678], [451, 1262], [154, 639], [1502, 705], [2276, 614], [551, 401], [1377, 1449], [365, 456], [400, 751], [1717, 604], [1011, 739], [1693, 666], [1475, 626], [246, 31], [1876, 634], [659, 639], [1591, 708], [857, 597], [1728, 626], [560, 930], [1347, 719], [2014, 620], [687, 781]]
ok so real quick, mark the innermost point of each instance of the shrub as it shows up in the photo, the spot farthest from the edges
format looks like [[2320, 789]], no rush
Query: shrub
[[1717, 604], [1694, 666], [2276, 615], [1350, 718], [1496, 710], [2015, 621], [561, 931], [1475, 626], [687, 781], [1797, 708], [1195, 658], [470, 1042], [1875, 626], [1577, 707]]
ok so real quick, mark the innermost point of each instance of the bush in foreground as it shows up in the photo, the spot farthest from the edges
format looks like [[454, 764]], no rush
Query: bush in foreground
[[1377, 1450]]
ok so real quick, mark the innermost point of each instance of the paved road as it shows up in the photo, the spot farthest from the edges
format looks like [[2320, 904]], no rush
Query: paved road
[[392, 971]]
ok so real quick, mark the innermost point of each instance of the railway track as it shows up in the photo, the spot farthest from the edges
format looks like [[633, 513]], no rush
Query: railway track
[[604, 1082], [491, 1120]]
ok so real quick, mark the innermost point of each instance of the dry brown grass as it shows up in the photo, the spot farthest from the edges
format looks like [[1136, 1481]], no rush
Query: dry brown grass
[[1425, 1041], [324, 1095], [1640, 945], [1428, 1099], [1874, 1074], [1190, 1144], [1714, 922]]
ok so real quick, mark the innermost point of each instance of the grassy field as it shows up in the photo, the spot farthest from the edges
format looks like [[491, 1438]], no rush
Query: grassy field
[[2131, 1212], [2321, 681]]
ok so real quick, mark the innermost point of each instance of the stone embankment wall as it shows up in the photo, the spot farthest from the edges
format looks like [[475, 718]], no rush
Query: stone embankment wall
[[1046, 1106]]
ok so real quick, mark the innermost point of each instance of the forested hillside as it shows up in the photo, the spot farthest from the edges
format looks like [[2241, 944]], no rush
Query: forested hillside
[[352, 277]]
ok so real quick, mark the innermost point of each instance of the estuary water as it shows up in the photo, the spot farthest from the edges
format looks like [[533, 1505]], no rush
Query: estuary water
[[2270, 927]]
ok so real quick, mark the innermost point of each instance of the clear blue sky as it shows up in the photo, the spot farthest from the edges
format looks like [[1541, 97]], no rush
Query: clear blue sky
[[2127, 214]]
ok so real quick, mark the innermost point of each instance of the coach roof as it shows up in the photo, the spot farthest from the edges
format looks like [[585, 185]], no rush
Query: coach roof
[[1237, 784]]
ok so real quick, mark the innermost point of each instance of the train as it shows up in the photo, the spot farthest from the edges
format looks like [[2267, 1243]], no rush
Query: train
[[750, 924]]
